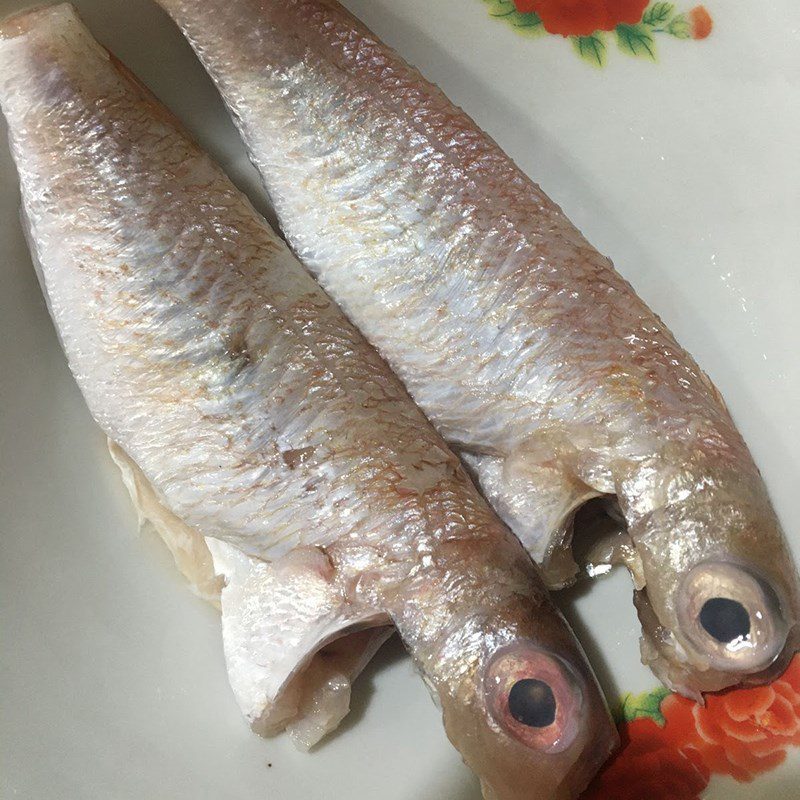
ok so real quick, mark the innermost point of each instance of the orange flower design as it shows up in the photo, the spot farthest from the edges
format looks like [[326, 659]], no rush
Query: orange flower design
[[701, 22], [741, 733], [583, 17], [648, 766]]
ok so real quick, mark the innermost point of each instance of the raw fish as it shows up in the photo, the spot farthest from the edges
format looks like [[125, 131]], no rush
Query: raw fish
[[531, 355], [282, 461]]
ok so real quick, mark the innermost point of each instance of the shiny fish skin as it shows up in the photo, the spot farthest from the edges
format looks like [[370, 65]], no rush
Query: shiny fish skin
[[260, 433], [533, 357]]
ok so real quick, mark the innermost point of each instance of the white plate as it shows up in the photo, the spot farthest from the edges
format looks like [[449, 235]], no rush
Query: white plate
[[684, 170]]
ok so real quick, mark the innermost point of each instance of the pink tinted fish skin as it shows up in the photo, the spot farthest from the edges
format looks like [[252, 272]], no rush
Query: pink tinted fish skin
[[533, 357], [257, 417]]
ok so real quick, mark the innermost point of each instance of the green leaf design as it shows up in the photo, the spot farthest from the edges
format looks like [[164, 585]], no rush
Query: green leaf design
[[528, 23], [636, 41], [647, 704], [590, 48], [658, 14], [680, 27], [499, 8]]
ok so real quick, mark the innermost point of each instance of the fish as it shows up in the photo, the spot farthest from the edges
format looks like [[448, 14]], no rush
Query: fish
[[567, 398], [294, 480]]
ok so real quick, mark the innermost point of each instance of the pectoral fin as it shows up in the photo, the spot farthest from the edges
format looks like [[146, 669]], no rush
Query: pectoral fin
[[279, 621], [293, 646]]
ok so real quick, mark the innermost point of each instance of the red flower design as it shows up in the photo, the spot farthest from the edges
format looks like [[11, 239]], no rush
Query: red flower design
[[701, 22], [743, 732], [583, 17], [649, 766]]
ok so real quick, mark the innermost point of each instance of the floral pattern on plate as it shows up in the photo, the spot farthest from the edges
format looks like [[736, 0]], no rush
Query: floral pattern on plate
[[672, 746], [590, 24]]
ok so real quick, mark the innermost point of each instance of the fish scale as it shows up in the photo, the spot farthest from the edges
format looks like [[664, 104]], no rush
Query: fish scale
[[290, 474], [531, 355]]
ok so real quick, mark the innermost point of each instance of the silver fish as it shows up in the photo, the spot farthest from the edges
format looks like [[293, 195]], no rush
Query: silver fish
[[285, 465], [532, 356]]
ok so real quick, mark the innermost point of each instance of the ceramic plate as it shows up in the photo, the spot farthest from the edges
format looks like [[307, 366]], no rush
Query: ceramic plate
[[671, 140]]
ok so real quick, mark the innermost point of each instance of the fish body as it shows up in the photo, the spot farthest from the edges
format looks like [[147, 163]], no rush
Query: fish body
[[533, 357], [293, 478]]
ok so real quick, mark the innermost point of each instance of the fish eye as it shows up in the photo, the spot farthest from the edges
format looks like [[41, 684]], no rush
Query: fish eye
[[725, 620], [532, 703], [534, 696], [731, 616]]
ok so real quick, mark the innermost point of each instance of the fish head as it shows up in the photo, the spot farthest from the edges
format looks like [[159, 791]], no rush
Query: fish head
[[519, 700], [529, 721], [719, 601]]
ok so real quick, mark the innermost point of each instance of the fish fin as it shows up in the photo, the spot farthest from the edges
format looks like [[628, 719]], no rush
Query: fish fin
[[279, 620], [537, 501], [316, 697], [188, 546]]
